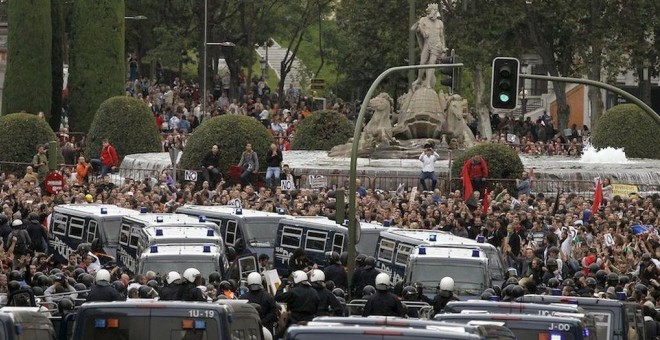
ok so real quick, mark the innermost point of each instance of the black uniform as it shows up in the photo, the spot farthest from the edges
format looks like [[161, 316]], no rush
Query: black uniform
[[169, 293], [190, 292], [384, 303], [104, 292], [368, 277], [356, 282], [302, 301], [268, 310], [328, 305], [337, 274], [439, 302]]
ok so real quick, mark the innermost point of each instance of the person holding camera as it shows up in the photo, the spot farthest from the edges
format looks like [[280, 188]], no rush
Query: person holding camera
[[249, 164], [428, 158]]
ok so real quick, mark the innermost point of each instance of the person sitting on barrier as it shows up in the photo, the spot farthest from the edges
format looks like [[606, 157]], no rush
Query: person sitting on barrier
[[211, 166]]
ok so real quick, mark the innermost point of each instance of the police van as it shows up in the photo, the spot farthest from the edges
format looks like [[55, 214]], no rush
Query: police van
[[615, 320], [139, 232], [72, 224], [395, 245], [428, 264], [25, 323], [350, 332], [247, 231], [565, 327], [159, 320], [207, 258], [307, 232], [511, 307]]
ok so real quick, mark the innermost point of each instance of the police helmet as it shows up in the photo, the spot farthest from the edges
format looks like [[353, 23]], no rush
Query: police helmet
[[231, 254], [343, 258], [225, 285], [359, 260], [77, 272], [569, 283], [516, 292], [13, 286], [551, 263], [591, 282], [119, 286], [65, 305], [624, 279], [446, 284], [369, 262], [38, 291], [486, 296], [641, 290], [382, 281], [215, 277], [368, 290], [15, 275], [594, 268], [612, 279], [191, 274], [146, 292], [254, 281], [317, 276], [102, 277], [299, 276], [601, 276], [409, 293], [338, 292], [173, 278], [553, 283]]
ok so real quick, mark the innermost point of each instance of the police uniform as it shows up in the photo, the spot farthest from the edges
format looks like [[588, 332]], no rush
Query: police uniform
[[328, 305], [190, 292], [302, 301], [268, 310], [384, 303], [103, 291], [337, 274], [169, 293]]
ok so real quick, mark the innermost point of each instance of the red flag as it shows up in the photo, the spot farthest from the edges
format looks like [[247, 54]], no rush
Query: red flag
[[485, 203], [467, 183], [598, 196]]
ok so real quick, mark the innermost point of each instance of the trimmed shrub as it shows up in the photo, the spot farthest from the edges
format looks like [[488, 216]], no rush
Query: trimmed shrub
[[627, 126], [97, 63], [28, 84], [230, 133], [503, 162], [322, 130], [21, 133], [128, 124]]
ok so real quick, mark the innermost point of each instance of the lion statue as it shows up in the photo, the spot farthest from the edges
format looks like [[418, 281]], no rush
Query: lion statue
[[456, 124], [379, 128]]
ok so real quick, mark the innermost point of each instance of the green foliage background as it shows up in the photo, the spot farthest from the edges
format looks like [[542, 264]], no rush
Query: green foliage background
[[230, 133], [24, 132], [627, 126], [503, 162], [28, 82], [322, 130], [129, 125], [97, 62]]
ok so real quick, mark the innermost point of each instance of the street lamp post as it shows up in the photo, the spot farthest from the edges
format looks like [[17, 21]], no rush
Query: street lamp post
[[523, 92], [262, 65], [206, 43]]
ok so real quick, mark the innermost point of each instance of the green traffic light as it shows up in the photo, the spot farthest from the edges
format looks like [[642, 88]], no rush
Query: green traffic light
[[504, 97]]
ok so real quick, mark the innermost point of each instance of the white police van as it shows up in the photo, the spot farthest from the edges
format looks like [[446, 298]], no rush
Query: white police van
[[318, 236], [207, 258], [395, 245], [138, 232], [468, 267], [72, 224], [247, 231]]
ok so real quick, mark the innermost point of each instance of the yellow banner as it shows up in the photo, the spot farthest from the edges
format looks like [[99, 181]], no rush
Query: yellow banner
[[623, 190]]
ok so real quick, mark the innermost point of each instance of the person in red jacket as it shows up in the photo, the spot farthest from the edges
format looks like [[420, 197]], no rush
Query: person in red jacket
[[477, 169], [109, 159]]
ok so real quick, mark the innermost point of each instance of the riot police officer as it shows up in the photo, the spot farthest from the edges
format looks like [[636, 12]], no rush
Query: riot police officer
[[258, 295], [383, 302], [328, 305], [172, 287], [189, 291], [302, 300], [335, 271], [102, 290], [445, 294]]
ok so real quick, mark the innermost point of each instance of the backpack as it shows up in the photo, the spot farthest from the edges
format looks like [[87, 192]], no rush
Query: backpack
[[23, 244]]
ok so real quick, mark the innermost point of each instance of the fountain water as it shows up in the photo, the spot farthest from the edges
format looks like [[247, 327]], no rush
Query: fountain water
[[608, 155]]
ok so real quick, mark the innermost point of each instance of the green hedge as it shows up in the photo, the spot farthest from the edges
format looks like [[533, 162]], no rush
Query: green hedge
[[97, 62], [28, 79], [129, 125], [629, 127], [22, 133], [322, 130], [503, 162], [230, 133]]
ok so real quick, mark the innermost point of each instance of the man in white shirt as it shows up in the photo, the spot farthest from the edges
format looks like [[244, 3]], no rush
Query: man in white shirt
[[428, 158]]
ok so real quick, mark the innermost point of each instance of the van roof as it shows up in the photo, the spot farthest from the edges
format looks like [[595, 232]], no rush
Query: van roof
[[182, 249], [165, 220], [196, 231], [512, 306], [148, 303], [460, 253], [370, 331], [568, 300], [420, 236], [94, 210], [315, 222], [507, 317], [226, 210]]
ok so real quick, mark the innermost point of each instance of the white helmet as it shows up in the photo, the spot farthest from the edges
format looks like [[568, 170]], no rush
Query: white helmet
[[190, 274], [317, 276], [447, 284], [299, 276], [103, 275], [382, 281], [172, 277], [254, 281]]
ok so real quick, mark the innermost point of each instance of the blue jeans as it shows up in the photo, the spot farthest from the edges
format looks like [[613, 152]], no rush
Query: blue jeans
[[245, 176], [272, 176], [96, 164], [425, 176]]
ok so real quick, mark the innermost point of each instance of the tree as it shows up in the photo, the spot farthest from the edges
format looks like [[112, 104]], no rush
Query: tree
[[57, 62], [24, 132], [629, 127], [97, 61], [322, 130], [28, 79]]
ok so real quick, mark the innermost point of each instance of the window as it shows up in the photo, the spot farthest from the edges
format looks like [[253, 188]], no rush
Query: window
[[123, 236], [59, 224], [338, 243], [91, 231], [76, 227], [386, 250], [230, 233], [402, 253], [315, 241], [291, 237], [135, 237]]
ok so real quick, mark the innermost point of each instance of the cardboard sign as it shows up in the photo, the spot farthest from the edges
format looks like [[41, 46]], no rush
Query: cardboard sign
[[190, 175], [318, 181], [286, 184], [272, 281], [623, 190]]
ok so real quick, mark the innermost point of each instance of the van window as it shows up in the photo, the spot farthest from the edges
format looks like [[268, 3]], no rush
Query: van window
[[76, 227], [338, 243], [230, 232], [291, 237], [634, 330], [386, 250], [59, 224], [123, 236], [134, 238], [315, 241], [91, 231], [402, 254], [602, 321]]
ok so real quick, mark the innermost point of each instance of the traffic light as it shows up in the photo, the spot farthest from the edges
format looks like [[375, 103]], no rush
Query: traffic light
[[504, 87]]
